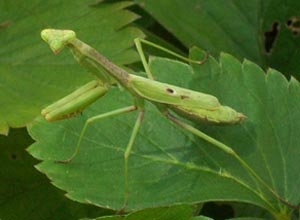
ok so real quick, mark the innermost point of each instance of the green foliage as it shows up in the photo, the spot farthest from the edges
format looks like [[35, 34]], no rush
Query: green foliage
[[264, 32], [25, 193], [31, 77], [177, 212], [169, 168]]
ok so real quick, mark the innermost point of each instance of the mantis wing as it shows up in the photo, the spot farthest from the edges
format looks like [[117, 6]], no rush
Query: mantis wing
[[172, 95], [222, 115]]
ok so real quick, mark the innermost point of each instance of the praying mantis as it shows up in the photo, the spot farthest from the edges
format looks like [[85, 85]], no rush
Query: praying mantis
[[172, 101]]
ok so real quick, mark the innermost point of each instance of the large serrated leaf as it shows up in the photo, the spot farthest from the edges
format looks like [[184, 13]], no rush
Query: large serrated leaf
[[30, 76], [169, 166]]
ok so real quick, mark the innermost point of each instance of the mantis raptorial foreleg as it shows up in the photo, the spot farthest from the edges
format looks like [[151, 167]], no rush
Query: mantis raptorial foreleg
[[75, 102], [168, 98]]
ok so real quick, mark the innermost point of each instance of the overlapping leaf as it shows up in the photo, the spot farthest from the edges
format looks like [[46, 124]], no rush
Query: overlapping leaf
[[264, 32], [30, 76]]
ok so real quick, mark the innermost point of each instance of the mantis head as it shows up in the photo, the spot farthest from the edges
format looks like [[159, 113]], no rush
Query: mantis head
[[57, 39]]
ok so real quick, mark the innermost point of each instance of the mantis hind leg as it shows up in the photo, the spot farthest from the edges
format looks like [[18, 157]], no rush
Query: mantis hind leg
[[200, 134], [91, 120], [138, 43]]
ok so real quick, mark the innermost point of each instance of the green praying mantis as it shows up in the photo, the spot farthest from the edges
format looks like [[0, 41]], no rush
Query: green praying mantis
[[172, 101]]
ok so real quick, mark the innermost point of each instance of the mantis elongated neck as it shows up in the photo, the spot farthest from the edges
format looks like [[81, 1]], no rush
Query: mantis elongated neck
[[85, 54]]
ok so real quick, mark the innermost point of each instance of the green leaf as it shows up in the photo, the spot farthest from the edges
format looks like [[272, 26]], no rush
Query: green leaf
[[237, 27], [178, 212], [169, 166], [201, 218], [267, 140], [250, 218], [30, 76], [241, 210], [26, 193]]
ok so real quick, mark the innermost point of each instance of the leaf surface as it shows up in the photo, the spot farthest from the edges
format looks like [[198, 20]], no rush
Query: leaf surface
[[177, 212], [24, 191], [30, 76], [264, 32]]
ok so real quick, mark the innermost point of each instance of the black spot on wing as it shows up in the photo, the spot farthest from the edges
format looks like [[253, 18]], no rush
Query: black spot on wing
[[169, 90], [184, 97]]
